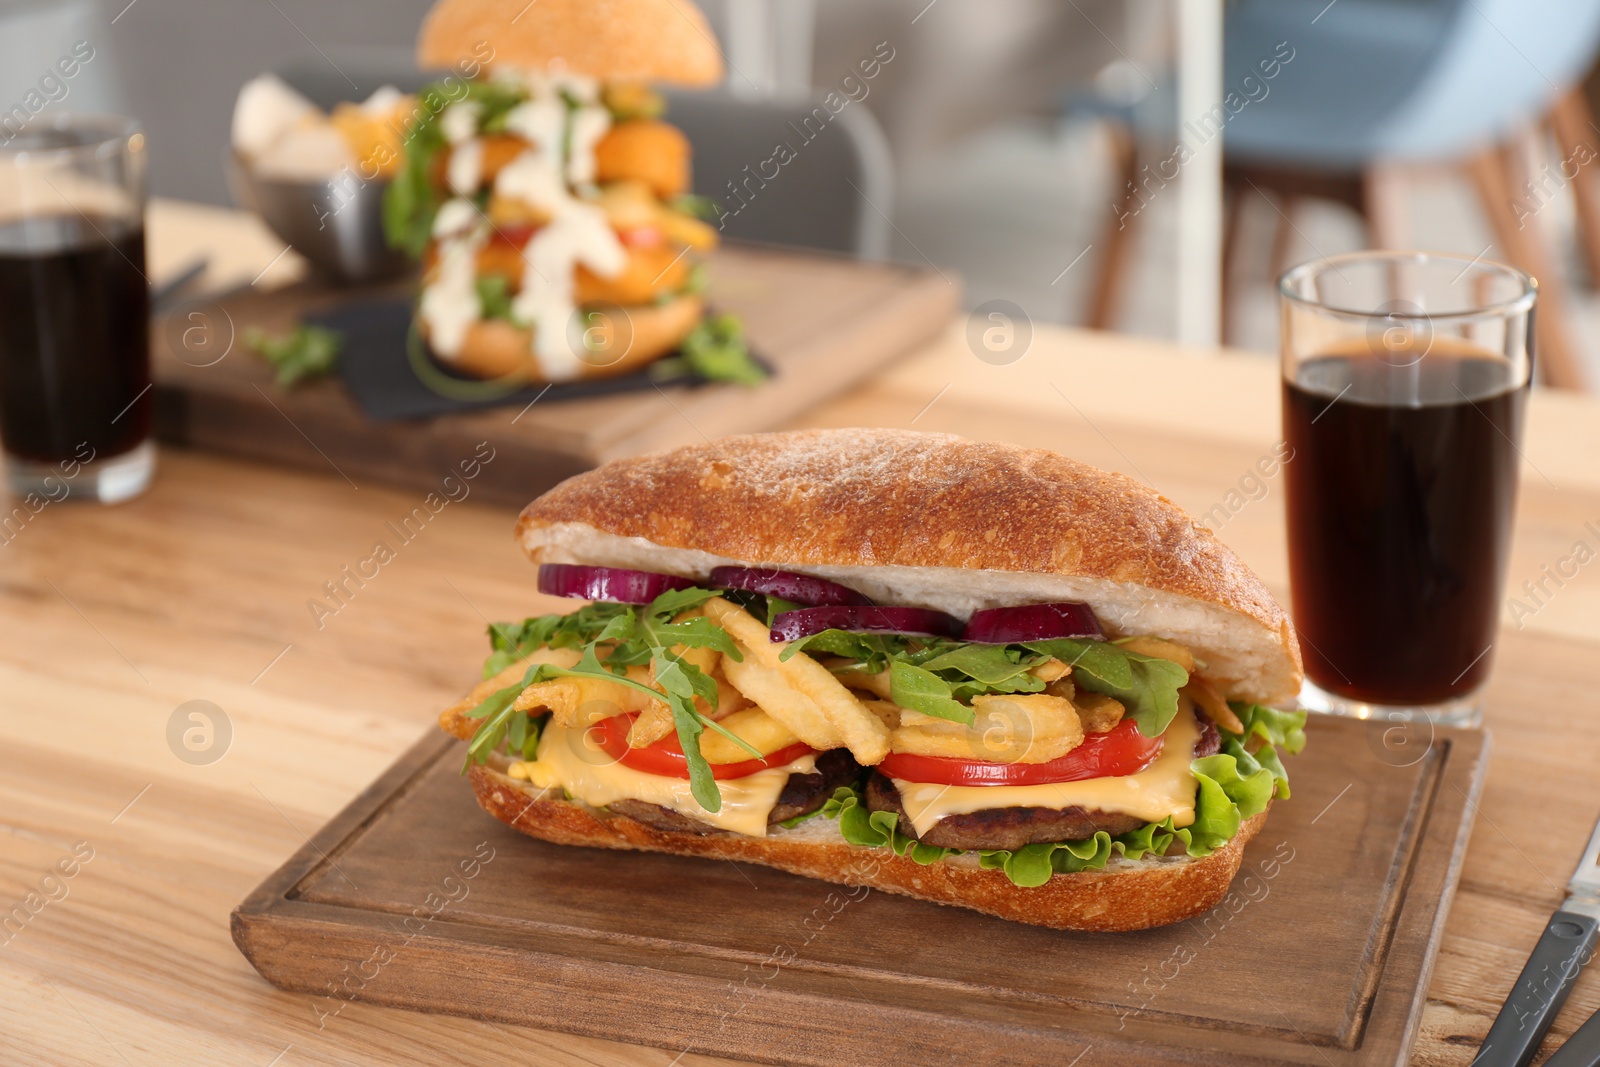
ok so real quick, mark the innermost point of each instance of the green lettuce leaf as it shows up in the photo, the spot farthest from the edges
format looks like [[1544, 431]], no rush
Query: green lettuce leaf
[[1284, 729], [1231, 786]]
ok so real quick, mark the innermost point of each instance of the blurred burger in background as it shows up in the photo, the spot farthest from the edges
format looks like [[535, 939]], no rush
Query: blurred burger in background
[[548, 200]]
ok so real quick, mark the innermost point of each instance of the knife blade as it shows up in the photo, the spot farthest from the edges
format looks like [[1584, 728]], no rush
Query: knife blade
[[1541, 989]]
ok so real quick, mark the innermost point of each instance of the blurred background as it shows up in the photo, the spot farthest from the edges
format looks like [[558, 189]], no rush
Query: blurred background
[[1005, 137]]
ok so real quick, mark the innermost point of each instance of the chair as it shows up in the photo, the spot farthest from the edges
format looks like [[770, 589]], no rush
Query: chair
[[1375, 88], [791, 173], [832, 190]]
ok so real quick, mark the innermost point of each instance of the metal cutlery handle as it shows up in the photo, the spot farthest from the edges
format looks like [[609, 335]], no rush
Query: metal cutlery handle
[[1542, 987], [1582, 1048]]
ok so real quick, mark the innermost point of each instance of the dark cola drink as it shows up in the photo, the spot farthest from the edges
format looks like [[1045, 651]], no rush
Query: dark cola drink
[[1400, 502], [76, 401], [74, 338]]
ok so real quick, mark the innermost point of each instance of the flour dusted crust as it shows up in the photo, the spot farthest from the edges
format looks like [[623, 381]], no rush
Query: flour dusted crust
[[930, 520], [1127, 895], [612, 40]]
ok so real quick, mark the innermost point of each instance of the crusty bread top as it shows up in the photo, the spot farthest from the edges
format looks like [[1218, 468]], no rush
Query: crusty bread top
[[612, 40], [930, 520]]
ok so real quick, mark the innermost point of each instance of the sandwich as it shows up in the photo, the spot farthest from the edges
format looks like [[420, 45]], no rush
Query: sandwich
[[548, 200], [969, 673]]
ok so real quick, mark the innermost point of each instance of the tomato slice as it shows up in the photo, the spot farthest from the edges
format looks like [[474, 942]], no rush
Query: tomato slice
[[641, 237], [1120, 751], [665, 757]]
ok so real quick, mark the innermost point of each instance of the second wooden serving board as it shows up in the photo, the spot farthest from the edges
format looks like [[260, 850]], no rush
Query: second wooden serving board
[[821, 322]]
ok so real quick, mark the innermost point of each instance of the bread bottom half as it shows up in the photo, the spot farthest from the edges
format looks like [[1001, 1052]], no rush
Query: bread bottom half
[[1127, 895], [495, 348]]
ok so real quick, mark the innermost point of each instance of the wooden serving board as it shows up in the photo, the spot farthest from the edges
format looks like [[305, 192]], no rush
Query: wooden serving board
[[823, 322], [1321, 954]]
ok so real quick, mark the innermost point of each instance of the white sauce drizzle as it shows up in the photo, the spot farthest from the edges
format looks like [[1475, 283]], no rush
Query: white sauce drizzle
[[450, 303], [541, 120], [459, 121], [466, 167], [562, 141], [589, 124], [454, 217]]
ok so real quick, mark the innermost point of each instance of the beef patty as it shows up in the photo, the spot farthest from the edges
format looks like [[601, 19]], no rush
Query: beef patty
[[1012, 828], [802, 794]]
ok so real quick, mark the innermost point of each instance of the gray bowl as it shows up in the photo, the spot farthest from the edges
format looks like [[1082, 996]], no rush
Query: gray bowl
[[336, 224]]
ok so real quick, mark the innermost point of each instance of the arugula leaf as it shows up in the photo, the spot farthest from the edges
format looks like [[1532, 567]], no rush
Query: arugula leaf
[[494, 296], [516, 641], [413, 197], [921, 690], [870, 653], [494, 101], [980, 669], [307, 351], [697, 282], [1099, 659], [1146, 686], [633, 636], [700, 207], [716, 350], [672, 675]]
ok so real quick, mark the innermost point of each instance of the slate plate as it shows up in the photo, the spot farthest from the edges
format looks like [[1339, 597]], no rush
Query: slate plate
[[391, 377]]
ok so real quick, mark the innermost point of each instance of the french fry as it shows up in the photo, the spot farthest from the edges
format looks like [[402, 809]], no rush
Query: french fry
[[928, 736], [774, 695], [1008, 728], [1098, 712], [454, 719], [729, 699], [579, 702], [876, 684], [653, 723], [1063, 687], [1032, 727], [1161, 648], [1202, 692], [656, 721], [1051, 670], [889, 712], [753, 726], [862, 732]]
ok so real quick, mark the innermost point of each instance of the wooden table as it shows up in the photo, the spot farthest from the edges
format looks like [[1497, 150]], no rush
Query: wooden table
[[115, 617]]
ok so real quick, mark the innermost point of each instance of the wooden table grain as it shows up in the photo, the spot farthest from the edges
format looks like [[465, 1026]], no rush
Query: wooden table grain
[[206, 589]]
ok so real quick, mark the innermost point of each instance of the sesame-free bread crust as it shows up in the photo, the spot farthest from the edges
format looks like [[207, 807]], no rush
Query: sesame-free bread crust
[[1127, 895], [930, 520], [612, 40]]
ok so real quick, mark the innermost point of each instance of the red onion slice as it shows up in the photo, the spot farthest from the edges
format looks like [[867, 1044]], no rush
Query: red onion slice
[[863, 618], [1031, 622], [800, 588], [606, 583]]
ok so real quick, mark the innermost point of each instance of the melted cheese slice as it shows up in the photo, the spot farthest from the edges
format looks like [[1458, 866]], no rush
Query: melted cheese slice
[[1166, 787], [569, 760]]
